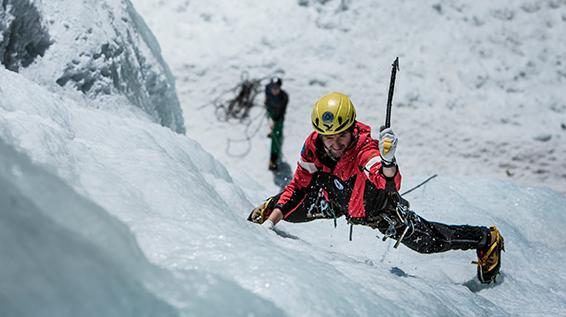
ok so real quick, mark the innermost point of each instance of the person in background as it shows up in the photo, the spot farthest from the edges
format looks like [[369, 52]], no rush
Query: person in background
[[276, 100], [343, 171]]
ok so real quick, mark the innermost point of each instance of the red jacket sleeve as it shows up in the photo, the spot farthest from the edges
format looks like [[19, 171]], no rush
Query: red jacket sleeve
[[370, 162], [294, 193]]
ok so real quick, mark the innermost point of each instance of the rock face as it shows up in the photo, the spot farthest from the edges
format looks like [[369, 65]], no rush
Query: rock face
[[99, 47]]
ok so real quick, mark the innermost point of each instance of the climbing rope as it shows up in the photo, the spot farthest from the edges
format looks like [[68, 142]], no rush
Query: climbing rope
[[236, 104]]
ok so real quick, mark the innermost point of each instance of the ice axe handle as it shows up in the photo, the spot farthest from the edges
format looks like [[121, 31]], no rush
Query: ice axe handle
[[391, 90]]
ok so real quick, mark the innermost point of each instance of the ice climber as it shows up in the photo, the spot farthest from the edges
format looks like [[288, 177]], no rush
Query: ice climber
[[342, 171], [276, 100]]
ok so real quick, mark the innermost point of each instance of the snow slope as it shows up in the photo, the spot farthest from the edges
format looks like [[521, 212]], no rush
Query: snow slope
[[483, 80], [188, 217], [74, 246]]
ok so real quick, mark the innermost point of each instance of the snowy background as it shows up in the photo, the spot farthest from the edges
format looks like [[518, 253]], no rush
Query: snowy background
[[108, 209], [480, 89]]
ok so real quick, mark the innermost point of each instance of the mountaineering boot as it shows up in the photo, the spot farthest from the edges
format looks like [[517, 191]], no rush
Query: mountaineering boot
[[273, 161], [272, 166], [262, 212], [489, 257]]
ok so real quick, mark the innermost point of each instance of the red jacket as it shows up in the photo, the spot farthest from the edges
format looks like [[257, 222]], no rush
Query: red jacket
[[358, 166]]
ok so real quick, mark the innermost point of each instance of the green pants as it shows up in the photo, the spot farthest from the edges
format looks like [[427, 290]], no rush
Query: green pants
[[276, 140]]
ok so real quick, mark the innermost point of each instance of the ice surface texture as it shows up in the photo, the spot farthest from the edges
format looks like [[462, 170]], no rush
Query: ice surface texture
[[96, 47]]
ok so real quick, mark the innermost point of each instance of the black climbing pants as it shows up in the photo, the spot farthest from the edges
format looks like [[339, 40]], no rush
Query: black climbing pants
[[426, 236], [423, 236]]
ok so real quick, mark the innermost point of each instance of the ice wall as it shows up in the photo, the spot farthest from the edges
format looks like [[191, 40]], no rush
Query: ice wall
[[99, 48], [63, 255], [70, 243]]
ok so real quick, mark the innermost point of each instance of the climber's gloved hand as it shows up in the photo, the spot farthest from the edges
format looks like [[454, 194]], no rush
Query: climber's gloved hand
[[387, 145], [268, 224]]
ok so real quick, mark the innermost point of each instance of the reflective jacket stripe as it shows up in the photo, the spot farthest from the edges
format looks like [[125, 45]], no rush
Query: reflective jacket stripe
[[370, 164], [308, 166]]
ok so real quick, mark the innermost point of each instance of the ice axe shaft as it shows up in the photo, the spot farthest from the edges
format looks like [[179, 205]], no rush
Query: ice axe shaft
[[391, 90]]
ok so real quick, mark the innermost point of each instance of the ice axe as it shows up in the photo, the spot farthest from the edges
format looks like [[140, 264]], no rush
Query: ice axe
[[401, 211], [394, 69], [389, 102]]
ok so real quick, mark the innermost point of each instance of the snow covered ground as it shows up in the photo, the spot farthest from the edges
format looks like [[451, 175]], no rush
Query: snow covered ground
[[106, 213], [480, 91]]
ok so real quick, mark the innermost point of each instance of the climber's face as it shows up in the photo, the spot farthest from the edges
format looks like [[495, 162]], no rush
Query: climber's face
[[275, 90], [337, 144]]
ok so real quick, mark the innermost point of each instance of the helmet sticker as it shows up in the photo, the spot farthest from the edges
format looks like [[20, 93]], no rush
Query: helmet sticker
[[327, 117]]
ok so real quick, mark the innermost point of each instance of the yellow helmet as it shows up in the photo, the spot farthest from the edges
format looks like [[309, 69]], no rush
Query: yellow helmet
[[333, 114]]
